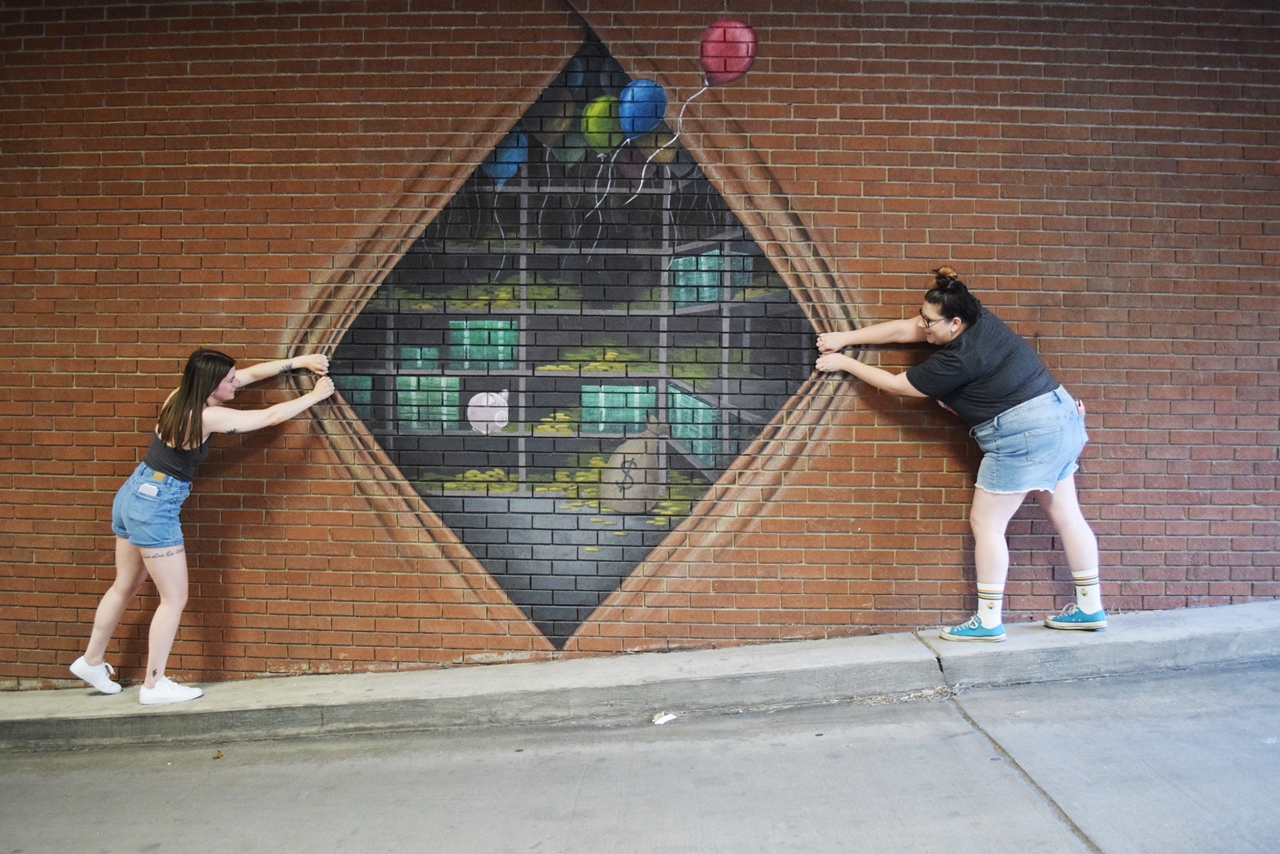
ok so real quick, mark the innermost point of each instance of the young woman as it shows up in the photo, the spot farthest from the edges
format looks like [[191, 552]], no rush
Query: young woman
[[1030, 431], [144, 516]]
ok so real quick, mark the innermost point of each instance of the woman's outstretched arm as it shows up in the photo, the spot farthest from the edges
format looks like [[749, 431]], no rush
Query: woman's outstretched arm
[[905, 331], [878, 377], [220, 419], [316, 363]]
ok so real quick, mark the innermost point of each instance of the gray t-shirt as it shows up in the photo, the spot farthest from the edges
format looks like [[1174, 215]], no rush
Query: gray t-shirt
[[986, 370]]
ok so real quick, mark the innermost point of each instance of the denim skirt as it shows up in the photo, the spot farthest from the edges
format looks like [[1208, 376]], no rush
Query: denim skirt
[[1032, 446], [145, 510]]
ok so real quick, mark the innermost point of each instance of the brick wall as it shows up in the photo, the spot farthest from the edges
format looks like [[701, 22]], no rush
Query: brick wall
[[1103, 174]]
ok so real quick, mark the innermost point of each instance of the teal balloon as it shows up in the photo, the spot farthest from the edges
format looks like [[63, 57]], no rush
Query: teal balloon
[[504, 161], [573, 76], [641, 107], [573, 149]]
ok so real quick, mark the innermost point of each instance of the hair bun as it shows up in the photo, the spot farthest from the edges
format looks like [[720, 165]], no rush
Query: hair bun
[[945, 272]]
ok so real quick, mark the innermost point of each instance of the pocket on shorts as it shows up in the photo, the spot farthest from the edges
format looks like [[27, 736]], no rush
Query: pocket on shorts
[[144, 504], [1043, 445], [1029, 445]]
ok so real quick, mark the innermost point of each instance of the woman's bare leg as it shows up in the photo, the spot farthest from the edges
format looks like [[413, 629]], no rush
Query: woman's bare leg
[[1062, 506], [168, 569], [131, 572], [989, 519]]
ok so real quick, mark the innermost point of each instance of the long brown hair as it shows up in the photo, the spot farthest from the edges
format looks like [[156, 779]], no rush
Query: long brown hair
[[181, 422]]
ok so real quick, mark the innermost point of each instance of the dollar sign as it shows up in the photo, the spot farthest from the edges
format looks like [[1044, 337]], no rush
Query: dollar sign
[[628, 480]]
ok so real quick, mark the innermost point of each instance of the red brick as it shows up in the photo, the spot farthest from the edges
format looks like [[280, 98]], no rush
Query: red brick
[[142, 222]]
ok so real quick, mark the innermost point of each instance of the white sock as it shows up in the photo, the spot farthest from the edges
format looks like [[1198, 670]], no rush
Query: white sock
[[990, 604], [1088, 592]]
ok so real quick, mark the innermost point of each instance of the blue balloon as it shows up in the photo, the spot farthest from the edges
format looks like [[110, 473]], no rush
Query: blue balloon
[[640, 107], [504, 161]]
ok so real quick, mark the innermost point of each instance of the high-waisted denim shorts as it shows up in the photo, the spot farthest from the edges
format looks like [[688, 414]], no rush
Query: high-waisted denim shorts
[[1032, 446], [146, 508]]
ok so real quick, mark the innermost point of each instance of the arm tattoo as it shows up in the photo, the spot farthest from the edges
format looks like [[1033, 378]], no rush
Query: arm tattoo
[[286, 367]]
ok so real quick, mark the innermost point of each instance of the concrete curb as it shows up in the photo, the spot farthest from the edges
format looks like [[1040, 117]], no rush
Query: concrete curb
[[633, 687], [1131, 643], [577, 690]]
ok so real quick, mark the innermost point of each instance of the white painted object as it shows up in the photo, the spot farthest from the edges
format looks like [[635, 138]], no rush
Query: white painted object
[[488, 412]]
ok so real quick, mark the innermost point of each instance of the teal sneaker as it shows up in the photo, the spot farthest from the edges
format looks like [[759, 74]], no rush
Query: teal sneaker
[[972, 631], [1073, 618]]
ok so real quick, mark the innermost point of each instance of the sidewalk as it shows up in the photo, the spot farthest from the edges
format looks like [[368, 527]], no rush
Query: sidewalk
[[635, 687]]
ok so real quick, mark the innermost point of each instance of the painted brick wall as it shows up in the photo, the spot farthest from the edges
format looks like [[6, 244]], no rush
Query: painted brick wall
[[246, 177]]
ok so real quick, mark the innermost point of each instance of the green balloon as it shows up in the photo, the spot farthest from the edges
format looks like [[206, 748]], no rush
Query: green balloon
[[601, 126], [574, 148]]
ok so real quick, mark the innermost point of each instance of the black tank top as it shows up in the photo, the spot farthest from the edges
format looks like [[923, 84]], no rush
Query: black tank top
[[174, 461]]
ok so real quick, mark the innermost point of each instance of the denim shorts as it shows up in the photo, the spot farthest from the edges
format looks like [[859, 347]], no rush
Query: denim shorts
[[1032, 446], [145, 511]]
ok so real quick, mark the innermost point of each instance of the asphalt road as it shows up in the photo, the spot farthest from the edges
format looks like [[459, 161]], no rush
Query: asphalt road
[[1183, 761]]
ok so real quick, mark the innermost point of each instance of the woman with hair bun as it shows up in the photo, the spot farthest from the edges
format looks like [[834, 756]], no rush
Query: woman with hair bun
[[144, 515], [1030, 430]]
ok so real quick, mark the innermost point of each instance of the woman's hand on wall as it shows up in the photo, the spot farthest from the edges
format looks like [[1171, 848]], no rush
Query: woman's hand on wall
[[316, 363], [323, 389], [831, 362], [834, 342]]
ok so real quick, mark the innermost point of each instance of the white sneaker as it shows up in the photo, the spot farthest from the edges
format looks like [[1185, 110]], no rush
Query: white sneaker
[[167, 691], [97, 675]]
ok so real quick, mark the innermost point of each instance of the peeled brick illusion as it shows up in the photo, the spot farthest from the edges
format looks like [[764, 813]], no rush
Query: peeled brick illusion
[[575, 348]]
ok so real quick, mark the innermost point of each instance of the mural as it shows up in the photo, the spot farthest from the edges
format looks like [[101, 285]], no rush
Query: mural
[[580, 342]]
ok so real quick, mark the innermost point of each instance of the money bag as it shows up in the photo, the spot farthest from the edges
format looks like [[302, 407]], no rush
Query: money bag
[[634, 478]]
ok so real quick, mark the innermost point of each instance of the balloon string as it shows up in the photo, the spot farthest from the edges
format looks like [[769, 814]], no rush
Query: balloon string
[[680, 118], [607, 187], [668, 143], [595, 188], [546, 194], [503, 234]]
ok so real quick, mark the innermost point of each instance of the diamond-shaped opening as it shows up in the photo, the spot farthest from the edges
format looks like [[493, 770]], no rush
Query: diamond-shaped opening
[[574, 350]]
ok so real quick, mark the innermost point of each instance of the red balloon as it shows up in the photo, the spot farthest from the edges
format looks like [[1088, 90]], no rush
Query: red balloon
[[728, 51]]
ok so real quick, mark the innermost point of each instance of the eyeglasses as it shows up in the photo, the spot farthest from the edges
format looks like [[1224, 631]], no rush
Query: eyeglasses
[[928, 322]]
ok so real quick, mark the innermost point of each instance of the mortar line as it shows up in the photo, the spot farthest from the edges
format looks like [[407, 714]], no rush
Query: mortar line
[[1026, 778]]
